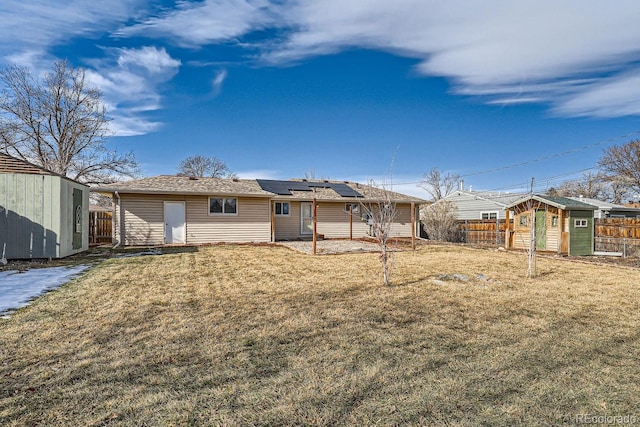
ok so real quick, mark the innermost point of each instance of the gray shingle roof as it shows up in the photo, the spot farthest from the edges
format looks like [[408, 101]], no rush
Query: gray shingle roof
[[564, 203], [171, 184]]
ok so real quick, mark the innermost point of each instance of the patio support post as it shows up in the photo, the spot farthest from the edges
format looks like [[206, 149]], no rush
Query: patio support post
[[315, 224], [413, 226]]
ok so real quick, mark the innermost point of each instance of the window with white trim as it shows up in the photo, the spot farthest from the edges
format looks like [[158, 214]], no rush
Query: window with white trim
[[580, 223], [281, 208], [352, 207], [524, 220], [489, 215], [223, 206]]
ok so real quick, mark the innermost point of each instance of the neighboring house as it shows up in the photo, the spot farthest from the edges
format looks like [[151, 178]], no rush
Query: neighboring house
[[472, 205], [42, 214], [609, 210], [558, 224], [187, 210]]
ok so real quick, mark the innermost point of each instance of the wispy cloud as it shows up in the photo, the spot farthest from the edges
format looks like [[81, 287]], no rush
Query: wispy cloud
[[130, 80], [30, 27], [507, 52], [210, 21], [216, 83], [260, 174], [577, 56]]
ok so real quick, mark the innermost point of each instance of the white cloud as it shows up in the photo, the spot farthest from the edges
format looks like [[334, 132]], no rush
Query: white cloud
[[573, 55], [130, 83], [38, 24], [610, 97], [260, 174], [216, 83], [210, 21], [509, 52]]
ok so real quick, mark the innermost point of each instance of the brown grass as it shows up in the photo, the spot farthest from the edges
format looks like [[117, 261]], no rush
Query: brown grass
[[241, 335]]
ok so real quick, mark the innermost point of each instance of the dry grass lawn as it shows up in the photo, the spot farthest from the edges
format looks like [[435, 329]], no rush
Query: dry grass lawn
[[255, 335]]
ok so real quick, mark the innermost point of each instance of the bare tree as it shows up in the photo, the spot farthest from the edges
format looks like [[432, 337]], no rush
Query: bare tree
[[525, 219], [622, 164], [438, 184], [382, 214], [440, 221], [201, 166], [60, 123], [591, 185], [310, 174]]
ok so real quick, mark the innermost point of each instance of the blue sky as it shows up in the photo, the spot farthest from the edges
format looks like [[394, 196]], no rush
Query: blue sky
[[280, 88]]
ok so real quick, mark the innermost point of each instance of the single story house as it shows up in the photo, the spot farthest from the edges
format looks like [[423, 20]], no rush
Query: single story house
[[609, 210], [473, 205], [170, 209], [42, 214], [557, 224]]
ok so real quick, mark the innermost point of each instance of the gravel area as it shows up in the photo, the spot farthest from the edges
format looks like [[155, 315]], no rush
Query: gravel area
[[332, 246]]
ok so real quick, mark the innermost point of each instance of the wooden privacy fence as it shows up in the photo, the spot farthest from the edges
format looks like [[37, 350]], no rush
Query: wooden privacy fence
[[618, 227], [483, 231], [611, 234], [618, 235], [100, 227]]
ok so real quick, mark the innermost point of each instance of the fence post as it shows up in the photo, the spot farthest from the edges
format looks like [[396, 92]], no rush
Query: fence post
[[624, 247], [466, 231]]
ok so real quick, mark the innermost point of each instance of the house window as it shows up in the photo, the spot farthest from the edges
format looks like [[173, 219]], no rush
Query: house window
[[489, 215], [554, 221], [580, 223], [352, 207], [224, 206], [281, 208], [524, 220]]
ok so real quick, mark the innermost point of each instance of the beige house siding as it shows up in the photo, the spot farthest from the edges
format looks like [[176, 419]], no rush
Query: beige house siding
[[251, 224], [144, 220], [333, 222], [288, 226]]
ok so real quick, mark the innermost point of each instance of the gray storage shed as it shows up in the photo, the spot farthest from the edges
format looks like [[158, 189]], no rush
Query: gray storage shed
[[42, 214]]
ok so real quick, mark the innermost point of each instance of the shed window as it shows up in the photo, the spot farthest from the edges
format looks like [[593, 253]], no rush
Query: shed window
[[554, 221], [281, 208], [489, 215], [224, 206], [580, 223], [524, 220]]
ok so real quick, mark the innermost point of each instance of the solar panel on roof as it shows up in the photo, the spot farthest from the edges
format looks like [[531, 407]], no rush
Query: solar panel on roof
[[284, 188]]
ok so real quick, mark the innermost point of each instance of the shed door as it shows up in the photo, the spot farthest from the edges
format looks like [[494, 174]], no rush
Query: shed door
[[541, 230], [174, 222], [77, 219]]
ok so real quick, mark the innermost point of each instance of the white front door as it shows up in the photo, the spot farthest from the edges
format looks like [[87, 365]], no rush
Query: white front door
[[174, 222], [306, 218]]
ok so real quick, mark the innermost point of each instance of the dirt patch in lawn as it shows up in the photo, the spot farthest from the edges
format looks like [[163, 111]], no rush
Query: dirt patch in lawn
[[325, 247]]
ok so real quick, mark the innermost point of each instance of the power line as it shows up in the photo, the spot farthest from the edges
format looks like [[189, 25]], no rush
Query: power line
[[547, 180], [553, 156], [540, 159]]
